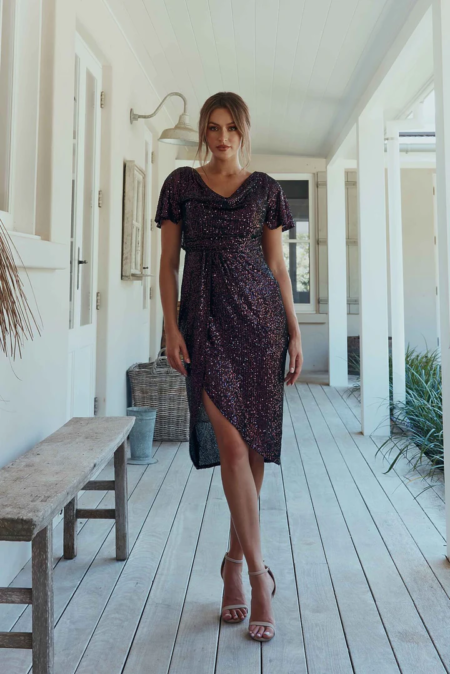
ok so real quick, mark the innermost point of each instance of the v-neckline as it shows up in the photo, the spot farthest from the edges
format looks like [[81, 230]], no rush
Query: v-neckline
[[221, 195]]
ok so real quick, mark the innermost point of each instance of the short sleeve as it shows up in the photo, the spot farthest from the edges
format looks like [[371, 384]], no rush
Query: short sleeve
[[278, 211], [169, 207]]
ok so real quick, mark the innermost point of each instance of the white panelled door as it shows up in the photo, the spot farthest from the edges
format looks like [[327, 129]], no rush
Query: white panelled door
[[147, 266], [84, 232]]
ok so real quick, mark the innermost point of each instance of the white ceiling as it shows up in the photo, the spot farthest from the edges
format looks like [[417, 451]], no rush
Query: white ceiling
[[297, 63]]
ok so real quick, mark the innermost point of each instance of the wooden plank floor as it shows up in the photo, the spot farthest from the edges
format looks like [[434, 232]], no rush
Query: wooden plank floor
[[363, 584]]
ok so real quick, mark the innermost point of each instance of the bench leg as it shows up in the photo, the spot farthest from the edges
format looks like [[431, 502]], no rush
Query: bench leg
[[42, 601], [70, 528], [121, 496]]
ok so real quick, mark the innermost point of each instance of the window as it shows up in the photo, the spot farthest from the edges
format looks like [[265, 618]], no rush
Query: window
[[298, 242], [20, 53], [7, 33]]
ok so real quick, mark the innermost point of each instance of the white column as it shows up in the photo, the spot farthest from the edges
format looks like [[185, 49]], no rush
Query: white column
[[337, 274], [441, 49], [396, 265], [373, 311]]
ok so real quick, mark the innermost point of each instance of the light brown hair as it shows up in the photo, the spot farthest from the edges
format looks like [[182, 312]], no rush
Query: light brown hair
[[239, 111]]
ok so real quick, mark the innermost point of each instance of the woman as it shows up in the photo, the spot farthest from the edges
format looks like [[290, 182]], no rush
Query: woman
[[235, 326]]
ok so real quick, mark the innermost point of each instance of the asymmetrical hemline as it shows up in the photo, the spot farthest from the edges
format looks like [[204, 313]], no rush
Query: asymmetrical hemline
[[231, 316], [277, 461]]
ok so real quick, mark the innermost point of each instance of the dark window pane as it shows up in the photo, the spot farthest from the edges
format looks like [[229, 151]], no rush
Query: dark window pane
[[297, 241]]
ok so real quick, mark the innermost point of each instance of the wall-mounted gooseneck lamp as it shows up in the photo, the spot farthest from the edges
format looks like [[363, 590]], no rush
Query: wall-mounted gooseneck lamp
[[181, 134]]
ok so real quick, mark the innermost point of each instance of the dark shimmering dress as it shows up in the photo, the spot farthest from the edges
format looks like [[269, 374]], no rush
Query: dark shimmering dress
[[231, 315]]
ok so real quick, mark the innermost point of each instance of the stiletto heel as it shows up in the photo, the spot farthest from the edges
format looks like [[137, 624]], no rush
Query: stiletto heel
[[261, 623], [232, 606]]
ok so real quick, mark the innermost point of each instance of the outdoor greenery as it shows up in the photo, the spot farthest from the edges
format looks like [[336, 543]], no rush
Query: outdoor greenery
[[417, 432]]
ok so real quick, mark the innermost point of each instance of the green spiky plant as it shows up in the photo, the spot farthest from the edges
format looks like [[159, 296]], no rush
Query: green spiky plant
[[417, 424]]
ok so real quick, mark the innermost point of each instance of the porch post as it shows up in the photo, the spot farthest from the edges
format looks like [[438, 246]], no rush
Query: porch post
[[396, 264], [373, 313], [337, 274], [441, 52]]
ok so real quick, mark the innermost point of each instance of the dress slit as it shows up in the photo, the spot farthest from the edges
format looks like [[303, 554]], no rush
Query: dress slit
[[227, 418]]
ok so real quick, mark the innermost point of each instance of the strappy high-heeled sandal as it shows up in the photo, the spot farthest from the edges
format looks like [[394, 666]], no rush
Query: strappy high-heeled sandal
[[261, 623], [230, 606]]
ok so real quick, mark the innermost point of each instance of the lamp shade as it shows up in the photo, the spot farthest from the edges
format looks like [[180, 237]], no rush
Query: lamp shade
[[181, 134]]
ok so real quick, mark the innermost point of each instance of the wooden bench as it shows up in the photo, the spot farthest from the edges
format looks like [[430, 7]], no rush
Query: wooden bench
[[33, 490]]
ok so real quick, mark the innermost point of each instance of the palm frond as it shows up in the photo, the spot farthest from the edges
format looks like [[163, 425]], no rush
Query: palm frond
[[17, 321]]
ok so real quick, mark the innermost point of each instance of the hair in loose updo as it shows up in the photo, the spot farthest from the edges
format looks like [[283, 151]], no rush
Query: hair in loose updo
[[241, 116]]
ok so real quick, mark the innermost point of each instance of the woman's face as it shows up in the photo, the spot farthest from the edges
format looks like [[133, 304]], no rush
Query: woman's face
[[222, 136]]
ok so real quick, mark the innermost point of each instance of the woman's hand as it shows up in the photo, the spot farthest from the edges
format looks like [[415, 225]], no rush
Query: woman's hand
[[295, 359], [174, 344]]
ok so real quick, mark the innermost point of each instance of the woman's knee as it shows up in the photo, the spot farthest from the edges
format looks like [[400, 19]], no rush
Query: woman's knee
[[233, 453]]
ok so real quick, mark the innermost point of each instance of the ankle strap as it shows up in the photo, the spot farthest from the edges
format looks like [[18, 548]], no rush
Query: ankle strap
[[237, 561], [256, 573]]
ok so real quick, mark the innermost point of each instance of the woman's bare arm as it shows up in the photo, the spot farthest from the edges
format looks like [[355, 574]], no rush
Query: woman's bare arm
[[168, 284], [273, 254]]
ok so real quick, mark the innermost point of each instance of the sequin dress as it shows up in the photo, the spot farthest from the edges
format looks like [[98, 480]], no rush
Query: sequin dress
[[231, 315]]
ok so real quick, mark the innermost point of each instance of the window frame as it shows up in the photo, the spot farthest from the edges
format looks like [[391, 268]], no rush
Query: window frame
[[311, 307], [24, 95], [6, 215]]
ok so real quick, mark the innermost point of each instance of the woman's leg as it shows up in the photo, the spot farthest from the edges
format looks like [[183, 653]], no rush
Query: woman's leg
[[257, 468], [232, 573], [242, 497]]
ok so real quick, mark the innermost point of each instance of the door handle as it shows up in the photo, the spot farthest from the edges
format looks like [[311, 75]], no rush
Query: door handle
[[80, 262]]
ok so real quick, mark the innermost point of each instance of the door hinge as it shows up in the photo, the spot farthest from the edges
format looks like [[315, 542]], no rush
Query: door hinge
[[98, 300], [100, 198], [152, 157], [150, 293], [434, 191], [102, 99], [95, 406]]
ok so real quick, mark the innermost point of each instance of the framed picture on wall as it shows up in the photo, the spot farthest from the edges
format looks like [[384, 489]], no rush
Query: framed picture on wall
[[133, 229]]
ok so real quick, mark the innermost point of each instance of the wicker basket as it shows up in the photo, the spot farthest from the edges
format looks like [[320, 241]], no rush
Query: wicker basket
[[158, 385]]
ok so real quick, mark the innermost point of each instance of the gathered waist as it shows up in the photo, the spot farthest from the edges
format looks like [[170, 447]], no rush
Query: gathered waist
[[222, 245]]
